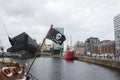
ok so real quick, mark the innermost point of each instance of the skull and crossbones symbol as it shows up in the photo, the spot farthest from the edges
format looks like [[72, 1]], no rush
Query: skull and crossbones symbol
[[57, 38]]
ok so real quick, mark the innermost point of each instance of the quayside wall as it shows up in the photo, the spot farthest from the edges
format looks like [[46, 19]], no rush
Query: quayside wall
[[104, 62]]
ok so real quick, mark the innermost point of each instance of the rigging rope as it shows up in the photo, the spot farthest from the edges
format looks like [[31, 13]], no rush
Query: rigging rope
[[10, 40], [1, 43], [4, 27]]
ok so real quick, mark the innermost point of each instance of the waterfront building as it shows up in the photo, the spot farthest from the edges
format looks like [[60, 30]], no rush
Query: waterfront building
[[96, 49], [90, 43], [46, 48], [58, 49], [116, 20], [79, 48], [107, 47]]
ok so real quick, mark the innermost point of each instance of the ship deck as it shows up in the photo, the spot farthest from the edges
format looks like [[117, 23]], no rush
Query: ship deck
[[10, 65]]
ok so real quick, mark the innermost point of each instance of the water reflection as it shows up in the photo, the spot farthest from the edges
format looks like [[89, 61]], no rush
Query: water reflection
[[60, 69], [56, 69]]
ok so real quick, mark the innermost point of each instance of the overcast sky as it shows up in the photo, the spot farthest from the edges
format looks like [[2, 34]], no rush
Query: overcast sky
[[80, 19]]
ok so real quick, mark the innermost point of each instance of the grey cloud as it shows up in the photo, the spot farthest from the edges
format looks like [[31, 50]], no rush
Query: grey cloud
[[80, 18]]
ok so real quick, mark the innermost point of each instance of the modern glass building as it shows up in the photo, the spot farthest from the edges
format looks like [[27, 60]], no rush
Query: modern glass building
[[116, 20], [89, 43]]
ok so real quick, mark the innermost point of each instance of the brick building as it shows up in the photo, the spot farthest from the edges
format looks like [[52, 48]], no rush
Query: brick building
[[91, 45], [95, 49], [107, 47], [79, 48]]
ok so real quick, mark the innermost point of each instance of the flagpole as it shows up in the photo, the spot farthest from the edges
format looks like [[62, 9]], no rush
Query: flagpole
[[39, 49]]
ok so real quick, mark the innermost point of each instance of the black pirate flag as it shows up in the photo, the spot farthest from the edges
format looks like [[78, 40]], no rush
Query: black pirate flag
[[56, 36]]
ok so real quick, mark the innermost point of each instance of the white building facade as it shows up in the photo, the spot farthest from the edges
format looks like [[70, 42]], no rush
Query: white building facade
[[116, 20]]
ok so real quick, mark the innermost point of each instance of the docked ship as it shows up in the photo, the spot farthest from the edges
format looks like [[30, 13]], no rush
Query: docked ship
[[69, 54]]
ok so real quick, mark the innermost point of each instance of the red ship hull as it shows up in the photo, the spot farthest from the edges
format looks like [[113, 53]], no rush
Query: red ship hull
[[69, 55]]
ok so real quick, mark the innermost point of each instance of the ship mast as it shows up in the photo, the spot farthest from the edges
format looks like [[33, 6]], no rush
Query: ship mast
[[71, 43]]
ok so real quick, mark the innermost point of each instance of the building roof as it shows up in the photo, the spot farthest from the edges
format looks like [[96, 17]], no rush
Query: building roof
[[78, 43], [107, 42], [116, 17]]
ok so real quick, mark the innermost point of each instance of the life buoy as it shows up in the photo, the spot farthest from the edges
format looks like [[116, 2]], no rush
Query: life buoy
[[6, 71], [18, 70]]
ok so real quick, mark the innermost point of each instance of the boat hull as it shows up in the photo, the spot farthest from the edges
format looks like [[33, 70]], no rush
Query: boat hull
[[69, 55]]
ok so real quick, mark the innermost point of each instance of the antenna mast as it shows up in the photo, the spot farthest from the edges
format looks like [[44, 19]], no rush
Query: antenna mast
[[71, 43]]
